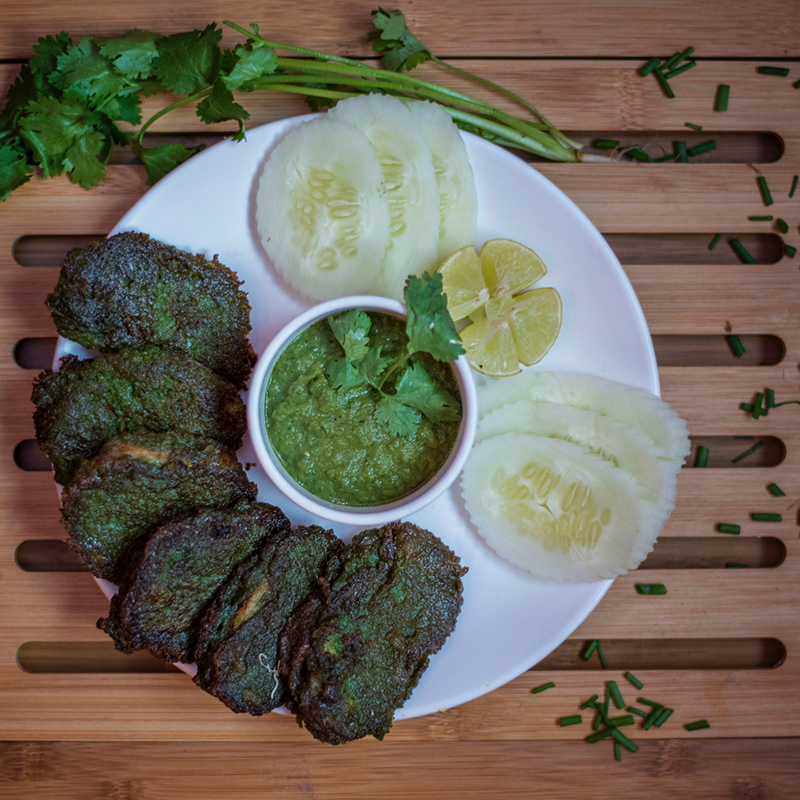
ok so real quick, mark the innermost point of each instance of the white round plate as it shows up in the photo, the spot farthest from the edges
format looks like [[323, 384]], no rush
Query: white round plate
[[509, 620]]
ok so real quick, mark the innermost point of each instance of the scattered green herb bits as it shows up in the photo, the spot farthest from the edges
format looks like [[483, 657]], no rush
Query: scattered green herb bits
[[765, 192], [781, 71], [606, 144], [715, 241], [776, 490], [693, 126], [650, 588], [761, 516], [741, 251], [749, 452], [543, 688], [794, 181], [790, 251], [699, 149], [723, 92], [782, 225], [736, 345], [565, 722], [725, 527], [697, 726], [650, 66], [615, 694], [634, 680], [701, 459]]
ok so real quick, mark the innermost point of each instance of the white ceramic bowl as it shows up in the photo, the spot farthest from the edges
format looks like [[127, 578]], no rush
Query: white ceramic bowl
[[374, 515]]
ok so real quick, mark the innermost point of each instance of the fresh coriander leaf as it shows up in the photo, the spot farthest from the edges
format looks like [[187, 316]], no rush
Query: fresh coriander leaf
[[374, 364], [400, 419], [418, 389], [430, 327], [158, 161], [220, 106], [188, 62], [14, 168], [84, 161], [133, 54], [343, 374], [351, 330], [50, 126], [400, 48], [85, 74], [20, 93], [45, 58], [252, 62], [125, 107]]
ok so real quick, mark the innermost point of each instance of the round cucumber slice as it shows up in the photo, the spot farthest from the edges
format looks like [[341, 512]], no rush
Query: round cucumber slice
[[632, 407], [321, 210], [411, 190], [458, 200], [551, 508]]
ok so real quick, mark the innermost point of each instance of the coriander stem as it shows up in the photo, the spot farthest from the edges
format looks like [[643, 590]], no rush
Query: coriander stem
[[524, 103], [402, 360], [280, 46], [188, 99]]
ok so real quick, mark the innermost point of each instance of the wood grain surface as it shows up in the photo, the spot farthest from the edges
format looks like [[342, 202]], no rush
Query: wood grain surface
[[78, 719]]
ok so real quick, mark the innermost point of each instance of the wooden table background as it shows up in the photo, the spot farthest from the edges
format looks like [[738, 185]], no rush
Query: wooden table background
[[79, 720]]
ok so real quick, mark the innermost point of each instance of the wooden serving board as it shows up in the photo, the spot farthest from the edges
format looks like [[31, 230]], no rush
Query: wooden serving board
[[721, 645]]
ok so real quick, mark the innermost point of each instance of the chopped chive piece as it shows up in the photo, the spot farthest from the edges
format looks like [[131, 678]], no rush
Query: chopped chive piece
[[606, 144], [573, 720], [765, 218], [702, 148], [637, 711], [696, 726], [674, 59], [597, 721], [715, 241], [634, 680], [741, 251], [651, 718], [765, 192], [736, 345], [701, 459], [650, 66], [693, 126], [725, 527], [589, 703], [734, 565], [760, 516], [796, 84], [667, 157], [645, 702], [746, 406], [639, 154], [723, 92], [664, 85], [599, 736], [650, 588], [678, 70], [679, 149], [745, 437], [790, 251], [756, 446], [603, 709], [602, 658], [623, 740], [794, 182], [663, 716], [757, 405], [782, 71], [781, 225], [615, 693], [543, 688], [776, 490], [617, 752], [621, 722], [770, 395], [587, 653]]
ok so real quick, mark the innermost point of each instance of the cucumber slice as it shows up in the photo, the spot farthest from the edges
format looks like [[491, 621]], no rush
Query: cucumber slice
[[551, 508], [458, 200], [410, 180], [633, 407], [601, 436], [321, 210]]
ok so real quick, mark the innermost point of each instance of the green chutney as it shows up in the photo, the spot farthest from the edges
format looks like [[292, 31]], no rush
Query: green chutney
[[328, 439]]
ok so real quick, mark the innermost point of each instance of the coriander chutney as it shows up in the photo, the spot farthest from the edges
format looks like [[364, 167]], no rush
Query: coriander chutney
[[330, 440]]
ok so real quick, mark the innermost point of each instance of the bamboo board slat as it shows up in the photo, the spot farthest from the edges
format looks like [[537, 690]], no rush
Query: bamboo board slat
[[677, 298]]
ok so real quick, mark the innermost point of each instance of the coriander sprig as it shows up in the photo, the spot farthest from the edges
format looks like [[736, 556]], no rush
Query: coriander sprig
[[64, 112], [430, 329]]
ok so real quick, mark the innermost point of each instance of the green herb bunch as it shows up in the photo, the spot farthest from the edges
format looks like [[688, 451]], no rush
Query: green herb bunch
[[430, 329], [72, 102]]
